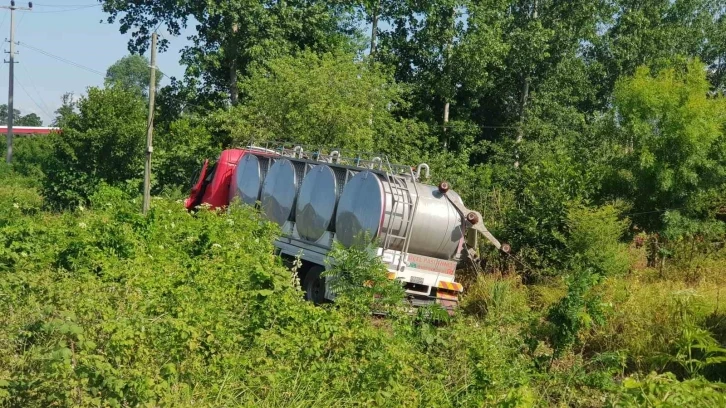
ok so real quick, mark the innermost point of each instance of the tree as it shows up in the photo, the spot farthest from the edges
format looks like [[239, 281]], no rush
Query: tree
[[30, 119], [672, 141], [66, 110], [103, 142], [232, 35], [652, 32], [132, 72], [327, 100]]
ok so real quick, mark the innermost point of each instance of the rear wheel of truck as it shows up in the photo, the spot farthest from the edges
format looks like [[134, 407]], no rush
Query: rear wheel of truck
[[314, 285]]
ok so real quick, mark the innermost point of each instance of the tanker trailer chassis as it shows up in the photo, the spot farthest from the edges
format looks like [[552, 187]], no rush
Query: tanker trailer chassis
[[320, 196]]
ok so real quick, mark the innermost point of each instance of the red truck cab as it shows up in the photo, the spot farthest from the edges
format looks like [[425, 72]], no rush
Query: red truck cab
[[212, 185]]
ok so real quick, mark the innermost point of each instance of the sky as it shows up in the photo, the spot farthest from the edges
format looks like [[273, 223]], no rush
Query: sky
[[72, 30]]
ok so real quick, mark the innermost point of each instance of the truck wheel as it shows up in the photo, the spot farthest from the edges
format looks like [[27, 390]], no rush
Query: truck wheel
[[314, 285]]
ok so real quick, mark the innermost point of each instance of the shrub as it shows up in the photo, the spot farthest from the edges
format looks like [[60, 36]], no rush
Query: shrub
[[594, 240], [178, 153], [29, 154], [103, 142], [360, 280]]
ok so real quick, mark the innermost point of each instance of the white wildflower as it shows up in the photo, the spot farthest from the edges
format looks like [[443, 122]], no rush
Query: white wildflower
[[81, 208], [16, 205], [216, 246], [82, 225]]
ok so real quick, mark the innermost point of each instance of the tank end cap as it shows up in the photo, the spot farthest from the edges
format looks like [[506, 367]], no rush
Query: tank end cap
[[444, 187], [506, 248]]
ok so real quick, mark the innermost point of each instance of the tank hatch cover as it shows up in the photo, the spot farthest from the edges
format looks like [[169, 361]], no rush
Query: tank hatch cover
[[278, 191], [360, 209], [247, 180], [316, 203]]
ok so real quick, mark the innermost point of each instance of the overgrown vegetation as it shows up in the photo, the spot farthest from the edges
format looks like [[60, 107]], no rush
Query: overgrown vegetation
[[591, 135], [102, 305]]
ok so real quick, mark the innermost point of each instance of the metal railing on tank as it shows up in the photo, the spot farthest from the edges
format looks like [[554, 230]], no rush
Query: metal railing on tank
[[352, 158]]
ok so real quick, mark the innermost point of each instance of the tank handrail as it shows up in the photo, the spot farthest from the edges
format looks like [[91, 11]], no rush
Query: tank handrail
[[376, 160], [334, 156], [354, 158], [422, 166]]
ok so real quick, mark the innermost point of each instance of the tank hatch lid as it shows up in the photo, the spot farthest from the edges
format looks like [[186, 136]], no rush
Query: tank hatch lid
[[278, 191], [247, 180], [315, 206], [360, 209]]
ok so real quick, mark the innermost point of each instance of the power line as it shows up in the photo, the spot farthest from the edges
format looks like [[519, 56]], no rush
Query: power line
[[32, 83], [67, 61], [33, 100], [5, 17], [67, 10], [66, 5]]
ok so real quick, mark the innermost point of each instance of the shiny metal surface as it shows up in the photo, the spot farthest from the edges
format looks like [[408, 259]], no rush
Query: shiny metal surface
[[360, 208], [247, 180], [279, 190], [436, 224], [316, 201], [437, 228]]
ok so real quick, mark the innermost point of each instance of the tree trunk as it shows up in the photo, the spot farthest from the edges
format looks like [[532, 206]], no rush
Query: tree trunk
[[523, 103], [374, 27], [447, 102], [233, 88]]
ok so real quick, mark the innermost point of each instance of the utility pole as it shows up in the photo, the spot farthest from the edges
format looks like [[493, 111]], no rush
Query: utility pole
[[150, 127], [11, 77]]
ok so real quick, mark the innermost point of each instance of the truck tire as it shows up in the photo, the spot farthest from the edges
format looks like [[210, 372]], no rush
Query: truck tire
[[314, 285]]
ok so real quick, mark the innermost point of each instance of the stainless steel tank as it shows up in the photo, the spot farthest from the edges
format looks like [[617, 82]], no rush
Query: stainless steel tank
[[315, 208], [279, 190], [367, 206], [247, 178]]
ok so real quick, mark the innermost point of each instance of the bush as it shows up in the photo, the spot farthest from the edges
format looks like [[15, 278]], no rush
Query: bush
[[178, 154], [29, 154], [594, 240], [102, 143]]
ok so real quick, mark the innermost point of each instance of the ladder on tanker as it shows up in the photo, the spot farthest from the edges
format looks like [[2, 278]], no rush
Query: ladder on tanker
[[403, 208]]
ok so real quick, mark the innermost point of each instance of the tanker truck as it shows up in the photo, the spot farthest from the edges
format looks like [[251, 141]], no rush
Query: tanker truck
[[317, 197]]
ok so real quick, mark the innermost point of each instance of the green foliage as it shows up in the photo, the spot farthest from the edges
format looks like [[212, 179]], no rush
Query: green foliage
[[672, 140], [30, 119], [231, 36], [328, 100], [360, 280], [578, 310], [132, 73], [665, 390], [102, 143], [547, 185], [178, 152], [29, 154], [594, 240], [500, 299]]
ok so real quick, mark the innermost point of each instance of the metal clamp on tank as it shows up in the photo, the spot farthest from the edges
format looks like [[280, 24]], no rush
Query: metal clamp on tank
[[473, 221]]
